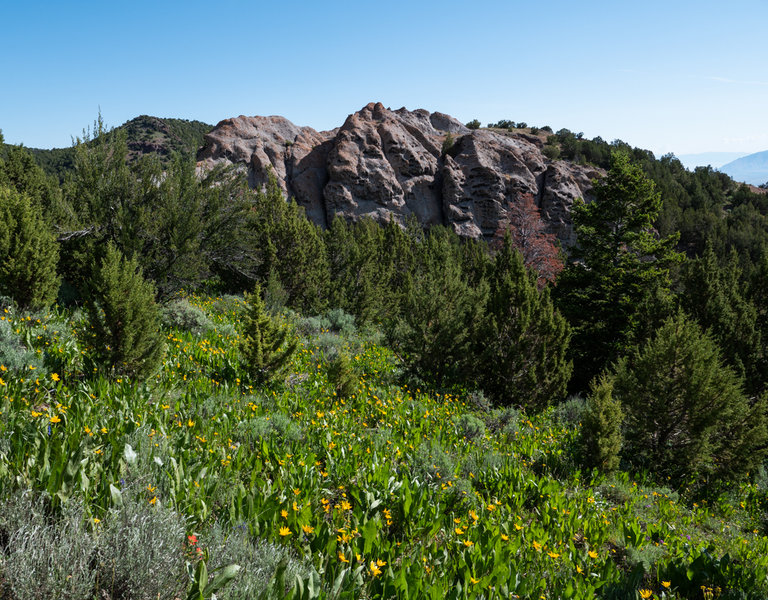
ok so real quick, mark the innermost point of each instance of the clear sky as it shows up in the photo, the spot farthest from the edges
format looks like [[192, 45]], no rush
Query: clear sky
[[678, 76]]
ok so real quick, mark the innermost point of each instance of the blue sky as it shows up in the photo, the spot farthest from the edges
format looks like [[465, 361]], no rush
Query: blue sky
[[673, 76]]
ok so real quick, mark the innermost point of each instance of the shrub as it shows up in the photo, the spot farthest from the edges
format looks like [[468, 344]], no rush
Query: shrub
[[504, 420], [341, 321], [313, 325], [41, 557], [470, 427], [342, 375], [14, 355], [431, 463], [259, 562], [125, 318], [276, 425], [28, 253], [473, 124], [134, 552], [570, 413], [264, 347], [448, 143], [140, 552], [551, 151], [523, 339], [181, 314], [601, 428]]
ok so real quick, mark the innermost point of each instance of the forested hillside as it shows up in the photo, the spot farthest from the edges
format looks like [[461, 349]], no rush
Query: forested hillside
[[204, 392]]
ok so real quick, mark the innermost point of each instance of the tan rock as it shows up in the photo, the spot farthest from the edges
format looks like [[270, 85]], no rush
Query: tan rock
[[389, 164]]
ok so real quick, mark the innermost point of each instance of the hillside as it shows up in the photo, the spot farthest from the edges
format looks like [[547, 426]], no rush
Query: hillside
[[384, 491], [144, 134], [752, 169]]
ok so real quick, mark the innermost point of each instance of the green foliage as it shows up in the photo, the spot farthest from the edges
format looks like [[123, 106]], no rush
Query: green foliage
[[14, 354], [716, 297], [685, 413], [448, 143], [125, 318], [551, 151], [20, 171], [286, 245], [265, 347], [182, 228], [521, 346], [601, 427], [440, 314], [28, 253], [473, 124], [181, 314], [618, 287], [342, 375]]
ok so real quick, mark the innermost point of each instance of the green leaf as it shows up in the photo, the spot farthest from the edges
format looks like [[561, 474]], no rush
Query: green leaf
[[116, 496]]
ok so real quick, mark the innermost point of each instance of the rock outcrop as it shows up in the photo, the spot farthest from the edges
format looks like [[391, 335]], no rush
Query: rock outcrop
[[389, 164]]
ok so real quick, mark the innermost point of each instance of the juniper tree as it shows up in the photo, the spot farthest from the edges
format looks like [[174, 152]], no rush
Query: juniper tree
[[600, 434], [125, 317], [440, 313], [686, 415], [265, 347], [28, 252], [523, 341], [716, 297]]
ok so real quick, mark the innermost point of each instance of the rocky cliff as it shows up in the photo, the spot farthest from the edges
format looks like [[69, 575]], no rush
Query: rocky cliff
[[389, 164]]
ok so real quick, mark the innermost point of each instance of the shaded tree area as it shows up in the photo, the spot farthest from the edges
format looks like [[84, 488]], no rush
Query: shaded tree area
[[702, 205]]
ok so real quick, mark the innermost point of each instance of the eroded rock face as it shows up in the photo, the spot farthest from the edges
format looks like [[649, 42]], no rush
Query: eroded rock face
[[389, 164]]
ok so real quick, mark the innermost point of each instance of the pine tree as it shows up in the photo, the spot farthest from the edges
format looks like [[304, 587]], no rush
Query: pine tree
[[617, 290], [523, 341], [125, 317], [600, 433], [686, 415], [28, 253], [265, 347]]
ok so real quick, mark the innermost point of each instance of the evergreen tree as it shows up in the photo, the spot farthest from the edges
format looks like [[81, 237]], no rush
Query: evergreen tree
[[125, 318], [523, 342], [686, 415], [600, 433], [20, 171], [440, 314], [265, 347], [286, 242], [617, 289], [28, 252], [716, 297]]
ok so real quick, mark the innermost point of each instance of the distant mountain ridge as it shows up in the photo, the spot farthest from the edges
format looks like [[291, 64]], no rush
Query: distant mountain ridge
[[704, 159], [752, 169]]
